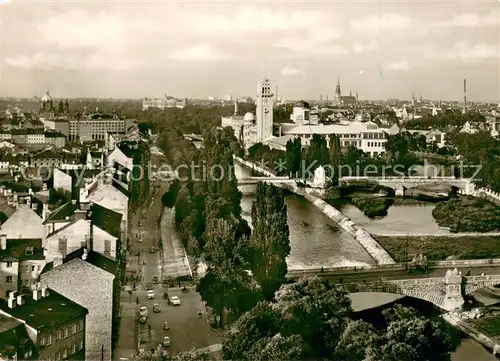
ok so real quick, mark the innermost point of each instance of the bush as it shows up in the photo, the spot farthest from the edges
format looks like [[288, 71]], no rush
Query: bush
[[372, 206]]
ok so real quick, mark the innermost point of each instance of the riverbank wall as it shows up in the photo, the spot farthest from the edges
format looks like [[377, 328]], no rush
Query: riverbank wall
[[313, 195], [475, 334]]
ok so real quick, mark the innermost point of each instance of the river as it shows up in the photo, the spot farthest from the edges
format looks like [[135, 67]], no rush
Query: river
[[317, 241]]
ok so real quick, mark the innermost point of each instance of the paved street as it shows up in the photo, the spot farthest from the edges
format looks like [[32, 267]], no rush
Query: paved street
[[187, 330]]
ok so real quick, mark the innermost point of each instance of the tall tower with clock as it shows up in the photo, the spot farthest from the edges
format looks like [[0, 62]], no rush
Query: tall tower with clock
[[264, 111]]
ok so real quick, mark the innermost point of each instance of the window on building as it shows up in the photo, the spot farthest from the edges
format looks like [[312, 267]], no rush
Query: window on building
[[65, 332], [42, 341], [58, 335], [73, 348], [64, 352], [57, 356], [80, 345], [8, 279], [9, 264], [32, 268], [49, 339], [39, 268], [80, 325], [29, 251], [73, 329]]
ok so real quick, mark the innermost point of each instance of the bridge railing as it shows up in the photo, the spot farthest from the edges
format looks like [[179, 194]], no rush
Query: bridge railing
[[404, 178], [495, 262]]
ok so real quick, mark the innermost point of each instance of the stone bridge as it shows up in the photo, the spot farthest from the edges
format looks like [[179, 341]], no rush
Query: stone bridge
[[401, 184], [445, 292], [272, 180]]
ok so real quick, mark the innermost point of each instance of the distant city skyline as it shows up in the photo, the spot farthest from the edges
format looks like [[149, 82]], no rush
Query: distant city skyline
[[112, 49]]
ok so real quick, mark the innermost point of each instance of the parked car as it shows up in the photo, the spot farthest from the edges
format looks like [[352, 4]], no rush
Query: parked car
[[151, 294], [156, 280], [143, 311], [174, 301], [166, 341], [156, 308], [149, 286], [143, 319], [166, 326], [152, 249]]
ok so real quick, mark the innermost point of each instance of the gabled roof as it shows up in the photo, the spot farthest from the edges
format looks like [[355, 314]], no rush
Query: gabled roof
[[48, 153], [24, 223], [106, 219], [66, 210], [94, 258]]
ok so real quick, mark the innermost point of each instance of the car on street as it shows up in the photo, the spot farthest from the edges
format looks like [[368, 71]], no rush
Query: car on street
[[152, 249], [156, 280], [156, 308], [143, 319], [174, 301], [166, 341], [166, 326], [151, 294], [143, 311], [149, 286]]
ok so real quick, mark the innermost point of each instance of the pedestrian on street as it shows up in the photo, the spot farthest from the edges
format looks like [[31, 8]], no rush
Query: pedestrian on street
[[179, 283], [137, 300]]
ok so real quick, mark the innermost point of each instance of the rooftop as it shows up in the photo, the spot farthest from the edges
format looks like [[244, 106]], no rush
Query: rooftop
[[106, 219], [17, 250], [46, 313], [48, 153], [93, 258], [59, 214]]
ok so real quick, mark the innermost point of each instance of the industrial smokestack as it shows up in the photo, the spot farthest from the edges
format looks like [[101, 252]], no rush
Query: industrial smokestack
[[321, 99], [465, 95], [277, 99]]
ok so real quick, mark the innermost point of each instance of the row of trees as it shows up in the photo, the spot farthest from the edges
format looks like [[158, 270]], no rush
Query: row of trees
[[208, 217], [451, 118]]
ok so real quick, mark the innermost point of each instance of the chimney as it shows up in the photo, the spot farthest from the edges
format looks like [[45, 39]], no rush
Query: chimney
[[37, 294], [45, 291], [20, 300], [79, 214], [45, 211], [34, 206], [3, 242], [30, 191], [12, 295], [73, 202], [11, 302]]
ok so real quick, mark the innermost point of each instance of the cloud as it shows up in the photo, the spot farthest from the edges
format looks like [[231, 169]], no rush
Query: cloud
[[471, 20], [470, 52], [378, 24], [290, 71], [397, 66], [200, 52], [306, 49], [359, 48]]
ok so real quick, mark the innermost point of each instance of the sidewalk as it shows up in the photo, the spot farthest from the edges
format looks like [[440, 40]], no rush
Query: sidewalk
[[175, 262], [127, 343]]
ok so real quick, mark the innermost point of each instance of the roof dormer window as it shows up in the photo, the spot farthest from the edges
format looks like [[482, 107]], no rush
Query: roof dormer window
[[29, 251]]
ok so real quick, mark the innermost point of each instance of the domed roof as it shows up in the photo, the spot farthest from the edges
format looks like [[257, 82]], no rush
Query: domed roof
[[46, 97], [302, 104], [249, 117]]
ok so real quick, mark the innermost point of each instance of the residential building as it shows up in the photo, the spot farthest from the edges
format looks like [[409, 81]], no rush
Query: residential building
[[25, 223], [46, 158], [28, 136], [97, 291], [71, 227], [94, 127], [70, 180], [57, 124], [56, 139], [28, 254], [15, 343], [301, 114], [163, 103], [6, 135], [55, 325]]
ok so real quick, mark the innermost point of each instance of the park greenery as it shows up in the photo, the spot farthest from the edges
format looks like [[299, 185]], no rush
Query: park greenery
[[468, 214]]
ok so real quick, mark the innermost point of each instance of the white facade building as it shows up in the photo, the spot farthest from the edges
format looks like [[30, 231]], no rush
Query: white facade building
[[365, 136]]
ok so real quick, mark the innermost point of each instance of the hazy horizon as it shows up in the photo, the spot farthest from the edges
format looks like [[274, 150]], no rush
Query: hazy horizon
[[111, 49]]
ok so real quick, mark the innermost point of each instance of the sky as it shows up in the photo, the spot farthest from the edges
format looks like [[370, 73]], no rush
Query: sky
[[135, 49]]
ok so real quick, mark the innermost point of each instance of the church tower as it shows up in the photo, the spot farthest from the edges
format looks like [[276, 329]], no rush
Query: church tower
[[338, 93], [264, 111]]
